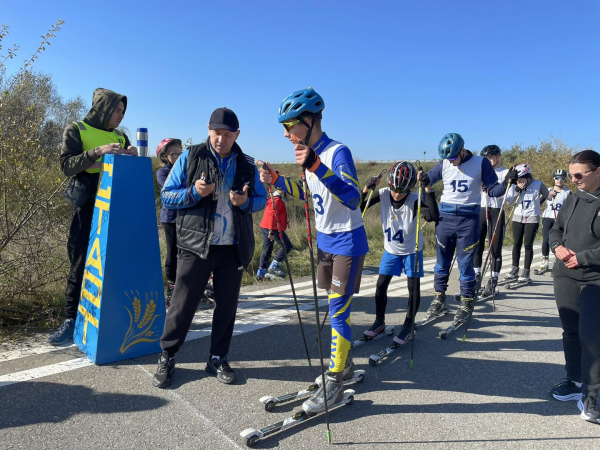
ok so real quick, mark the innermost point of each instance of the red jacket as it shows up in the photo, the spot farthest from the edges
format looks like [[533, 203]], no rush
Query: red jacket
[[268, 221]]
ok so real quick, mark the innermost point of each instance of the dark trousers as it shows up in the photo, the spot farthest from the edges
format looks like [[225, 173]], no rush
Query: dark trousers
[[268, 248], [460, 233], [192, 275], [496, 253], [383, 282], [171, 259], [523, 233], [77, 245], [579, 310], [547, 225]]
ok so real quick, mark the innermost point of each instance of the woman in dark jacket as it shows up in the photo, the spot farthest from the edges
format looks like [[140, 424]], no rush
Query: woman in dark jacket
[[168, 151], [575, 240]]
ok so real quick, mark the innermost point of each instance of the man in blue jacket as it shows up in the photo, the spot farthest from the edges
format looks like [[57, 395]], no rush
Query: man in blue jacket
[[215, 187]]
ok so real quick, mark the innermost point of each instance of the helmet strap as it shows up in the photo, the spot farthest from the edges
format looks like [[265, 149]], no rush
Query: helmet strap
[[309, 127]]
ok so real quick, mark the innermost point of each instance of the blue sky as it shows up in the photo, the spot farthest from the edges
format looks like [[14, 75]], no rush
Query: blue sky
[[395, 75]]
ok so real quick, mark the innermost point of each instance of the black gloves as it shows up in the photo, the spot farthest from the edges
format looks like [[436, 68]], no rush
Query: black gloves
[[424, 179], [371, 183], [512, 175]]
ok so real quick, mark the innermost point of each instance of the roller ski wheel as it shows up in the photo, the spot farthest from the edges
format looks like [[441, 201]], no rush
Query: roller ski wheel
[[251, 436], [517, 284], [455, 326], [541, 271], [388, 331]]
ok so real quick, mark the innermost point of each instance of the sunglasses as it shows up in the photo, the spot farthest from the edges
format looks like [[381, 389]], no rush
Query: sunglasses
[[174, 154], [578, 175], [288, 125], [560, 178]]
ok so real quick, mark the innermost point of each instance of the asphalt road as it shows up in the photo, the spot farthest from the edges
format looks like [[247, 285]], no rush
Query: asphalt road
[[490, 391]]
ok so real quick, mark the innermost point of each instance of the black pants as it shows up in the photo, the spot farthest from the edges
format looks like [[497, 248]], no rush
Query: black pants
[[77, 245], [496, 254], [579, 310], [171, 259], [523, 232], [547, 225], [192, 275], [268, 248], [381, 289]]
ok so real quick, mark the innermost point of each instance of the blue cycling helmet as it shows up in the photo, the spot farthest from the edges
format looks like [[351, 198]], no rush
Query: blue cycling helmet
[[450, 145], [300, 102]]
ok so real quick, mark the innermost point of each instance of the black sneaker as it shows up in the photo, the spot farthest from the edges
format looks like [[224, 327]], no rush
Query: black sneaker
[[438, 305], [565, 391], [589, 409], [221, 368], [405, 334], [164, 372], [63, 334], [377, 328], [464, 311]]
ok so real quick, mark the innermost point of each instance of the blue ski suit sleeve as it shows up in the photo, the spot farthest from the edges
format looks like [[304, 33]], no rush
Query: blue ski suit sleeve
[[435, 174], [342, 182], [489, 178], [174, 194], [290, 187]]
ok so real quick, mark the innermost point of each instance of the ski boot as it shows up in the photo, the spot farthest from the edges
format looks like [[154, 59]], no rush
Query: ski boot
[[334, 387], [347, 373], [438, 305], [260, 274], [377, 328], [169, 294], [524, 277], [274, 269], [490, 288], [405, 333], [512, 275], [464, 311], [545, 265]]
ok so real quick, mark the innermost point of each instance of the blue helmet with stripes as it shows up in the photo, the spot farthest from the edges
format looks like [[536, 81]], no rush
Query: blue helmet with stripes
[[300, 102], [450, 145]]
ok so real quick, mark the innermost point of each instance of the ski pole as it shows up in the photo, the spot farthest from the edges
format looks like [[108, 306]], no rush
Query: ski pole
[[484, 268], [314, 284], [371, 193], [263, 165], [487, 258], [416, 287]]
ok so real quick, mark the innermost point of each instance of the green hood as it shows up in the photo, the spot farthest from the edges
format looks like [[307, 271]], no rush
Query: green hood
[[104, 103]]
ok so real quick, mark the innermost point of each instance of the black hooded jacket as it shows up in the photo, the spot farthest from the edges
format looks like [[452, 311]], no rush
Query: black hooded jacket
[[73, 161], [577, 226]]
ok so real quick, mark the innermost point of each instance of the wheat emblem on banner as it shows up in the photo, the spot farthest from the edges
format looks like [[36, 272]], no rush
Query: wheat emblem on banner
[[140, 325]]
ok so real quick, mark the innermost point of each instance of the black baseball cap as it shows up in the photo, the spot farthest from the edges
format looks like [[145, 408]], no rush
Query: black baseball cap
[[223, 118]]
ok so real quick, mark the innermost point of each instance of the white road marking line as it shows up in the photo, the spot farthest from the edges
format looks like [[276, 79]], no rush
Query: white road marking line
[[44, 371]]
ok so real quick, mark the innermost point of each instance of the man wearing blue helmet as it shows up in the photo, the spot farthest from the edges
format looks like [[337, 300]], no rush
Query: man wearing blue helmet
[[341, 237], [463, 175]]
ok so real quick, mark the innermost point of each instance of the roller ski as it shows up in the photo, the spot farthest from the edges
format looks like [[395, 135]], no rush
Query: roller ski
[[461, 317], [544, 266], [377, 330], [523, 280], [401, 339], [510, 277], [350, 376], [251, 436]]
